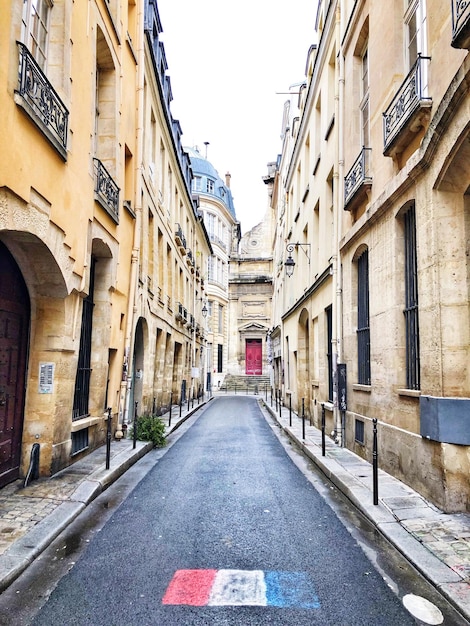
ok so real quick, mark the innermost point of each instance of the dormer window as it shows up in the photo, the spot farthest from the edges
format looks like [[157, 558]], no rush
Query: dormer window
[[210, 186], [197, 183]]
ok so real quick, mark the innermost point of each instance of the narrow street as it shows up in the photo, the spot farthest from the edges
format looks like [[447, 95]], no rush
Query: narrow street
[[223, 529]]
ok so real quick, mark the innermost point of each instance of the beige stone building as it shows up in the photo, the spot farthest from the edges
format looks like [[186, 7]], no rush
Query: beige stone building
[[250, 299], [217, 211], [171, 249], [372, 192]]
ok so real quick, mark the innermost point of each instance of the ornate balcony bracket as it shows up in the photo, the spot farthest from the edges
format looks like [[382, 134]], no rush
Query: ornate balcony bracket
[[106, 190], [36, 96], [357, 181], [461, 24], [409, 110]]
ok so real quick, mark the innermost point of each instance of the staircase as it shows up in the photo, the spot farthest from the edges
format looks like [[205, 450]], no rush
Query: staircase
[[250, 384]]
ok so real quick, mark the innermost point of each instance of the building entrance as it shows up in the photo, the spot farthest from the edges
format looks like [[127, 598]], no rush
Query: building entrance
[[254, 357], [14, 331]]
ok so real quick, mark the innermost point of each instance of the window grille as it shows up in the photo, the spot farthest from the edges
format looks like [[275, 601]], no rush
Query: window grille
[[411, 302], [363, 324], [329, 350], [359, 431], [82, 380]]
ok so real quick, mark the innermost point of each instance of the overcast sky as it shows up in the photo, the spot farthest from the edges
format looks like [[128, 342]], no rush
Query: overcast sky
[[226, 61]]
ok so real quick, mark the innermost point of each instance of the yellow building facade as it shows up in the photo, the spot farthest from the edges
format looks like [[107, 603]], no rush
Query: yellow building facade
[[102, 245]]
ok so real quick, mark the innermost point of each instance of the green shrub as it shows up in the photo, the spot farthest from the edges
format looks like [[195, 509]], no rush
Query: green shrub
[[150, 428]]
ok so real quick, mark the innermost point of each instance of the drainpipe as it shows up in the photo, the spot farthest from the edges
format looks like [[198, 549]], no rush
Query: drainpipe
[[126, 380], [337, 208]]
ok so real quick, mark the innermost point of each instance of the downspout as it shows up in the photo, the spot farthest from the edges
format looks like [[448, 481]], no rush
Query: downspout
[[126, 380], [335, 264], [340, 190]]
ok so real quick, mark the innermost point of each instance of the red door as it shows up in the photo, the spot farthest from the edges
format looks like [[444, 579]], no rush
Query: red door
[[254, 357], [14, 329]]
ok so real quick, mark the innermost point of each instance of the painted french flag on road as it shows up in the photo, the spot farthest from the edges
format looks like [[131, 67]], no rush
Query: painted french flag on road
[[234, 587]]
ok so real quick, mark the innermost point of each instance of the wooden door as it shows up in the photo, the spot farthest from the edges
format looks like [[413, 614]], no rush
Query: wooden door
[[254, 357], [14, 330]]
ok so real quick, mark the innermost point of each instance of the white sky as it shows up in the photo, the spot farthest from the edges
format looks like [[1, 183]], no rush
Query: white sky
[[226, 61]]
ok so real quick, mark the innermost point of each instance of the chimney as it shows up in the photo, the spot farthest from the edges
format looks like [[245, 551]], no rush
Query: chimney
[[227, 179]]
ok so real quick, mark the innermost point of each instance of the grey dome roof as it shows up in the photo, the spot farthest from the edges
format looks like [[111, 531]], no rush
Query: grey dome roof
[[205, 170]]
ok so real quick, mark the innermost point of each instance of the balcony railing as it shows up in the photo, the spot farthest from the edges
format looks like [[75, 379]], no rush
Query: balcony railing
[[406, 105], [41, 102], [182, 314], [461, 24], [179, 237], [218, 241], [106, 190], [358, 177]]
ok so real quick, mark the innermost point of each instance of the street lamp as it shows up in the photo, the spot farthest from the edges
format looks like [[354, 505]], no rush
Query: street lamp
[[204, 310], [289, 263]]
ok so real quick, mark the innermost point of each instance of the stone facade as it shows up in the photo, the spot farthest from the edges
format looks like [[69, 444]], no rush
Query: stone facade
[[250, 293], [385, 290]]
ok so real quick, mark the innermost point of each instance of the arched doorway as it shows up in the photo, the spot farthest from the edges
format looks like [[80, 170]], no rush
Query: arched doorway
[[14, 336]]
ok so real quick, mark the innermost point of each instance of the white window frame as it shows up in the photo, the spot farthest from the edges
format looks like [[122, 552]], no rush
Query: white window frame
[[35, 29], [364, 105], [415, 31]]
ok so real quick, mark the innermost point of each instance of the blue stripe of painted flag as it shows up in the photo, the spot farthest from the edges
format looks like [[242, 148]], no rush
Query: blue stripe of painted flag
[[290, 589]]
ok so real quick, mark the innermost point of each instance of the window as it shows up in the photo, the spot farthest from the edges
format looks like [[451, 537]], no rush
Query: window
[[415, 31], [221, 319], [411, 302], [197, 183], [363, 329], [365, 131], [210, 186], [329, 350], [359, 431], [82, 379], [35, 29]]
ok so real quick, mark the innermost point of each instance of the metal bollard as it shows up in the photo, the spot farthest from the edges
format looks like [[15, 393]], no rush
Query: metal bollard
[[266, 392], [323, 440], [375, 465], [271, 397], [181, 403], [290, 409], [171, 404], [280, 403], [303, 419], [108, 439]]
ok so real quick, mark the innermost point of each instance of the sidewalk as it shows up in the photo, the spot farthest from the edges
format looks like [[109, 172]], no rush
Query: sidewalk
[[32, 517], [436, 543]]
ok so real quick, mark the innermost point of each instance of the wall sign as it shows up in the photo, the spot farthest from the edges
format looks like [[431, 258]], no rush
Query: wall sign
[[46, 377]]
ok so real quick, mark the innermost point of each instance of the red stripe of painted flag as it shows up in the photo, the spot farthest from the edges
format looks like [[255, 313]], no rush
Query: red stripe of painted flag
[[190, 586]]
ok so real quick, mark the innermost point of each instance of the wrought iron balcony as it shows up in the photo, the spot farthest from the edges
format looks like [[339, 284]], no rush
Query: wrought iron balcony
[[357, 181], [182, 314], [106, 190], [408, 111], [41, 102], [190, 260], [180, 238], [461, 24], [218, 241]]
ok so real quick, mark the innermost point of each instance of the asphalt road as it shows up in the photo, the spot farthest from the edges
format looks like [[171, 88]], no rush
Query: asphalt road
[[224, 529]]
